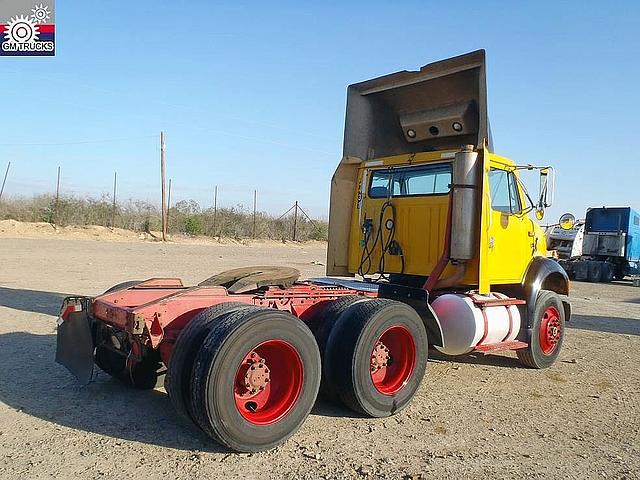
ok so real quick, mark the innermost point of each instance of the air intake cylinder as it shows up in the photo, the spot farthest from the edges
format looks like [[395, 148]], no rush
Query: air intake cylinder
[[465, 193]]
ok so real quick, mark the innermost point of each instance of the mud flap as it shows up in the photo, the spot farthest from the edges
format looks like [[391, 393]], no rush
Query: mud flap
[[75, 348]]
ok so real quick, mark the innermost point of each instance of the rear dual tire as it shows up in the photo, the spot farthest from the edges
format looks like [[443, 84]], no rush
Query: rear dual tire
[[598, 271], [142, 374], [321, 326], [185, 350], [376, 357], [275, 405]]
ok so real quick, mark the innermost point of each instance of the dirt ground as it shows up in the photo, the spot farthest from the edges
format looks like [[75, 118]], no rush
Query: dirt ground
[[479, 416]]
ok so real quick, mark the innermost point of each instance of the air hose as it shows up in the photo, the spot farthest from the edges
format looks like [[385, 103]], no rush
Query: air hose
[[388, 245]]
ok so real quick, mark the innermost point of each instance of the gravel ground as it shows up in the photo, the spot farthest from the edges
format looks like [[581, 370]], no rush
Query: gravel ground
[[473, 417]]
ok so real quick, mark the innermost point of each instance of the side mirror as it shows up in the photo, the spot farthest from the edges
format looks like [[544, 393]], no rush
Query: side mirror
[[567, 221], [547, 187]]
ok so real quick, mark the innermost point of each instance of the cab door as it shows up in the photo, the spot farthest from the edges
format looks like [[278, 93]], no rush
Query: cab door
[[511, 238]]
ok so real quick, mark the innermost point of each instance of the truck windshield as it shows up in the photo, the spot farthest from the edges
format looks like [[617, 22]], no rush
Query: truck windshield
[[411, 181]]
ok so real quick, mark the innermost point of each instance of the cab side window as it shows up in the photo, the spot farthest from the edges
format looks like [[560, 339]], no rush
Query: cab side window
[[504, 191]]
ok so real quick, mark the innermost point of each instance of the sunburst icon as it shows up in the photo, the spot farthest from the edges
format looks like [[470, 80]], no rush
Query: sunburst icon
[[40, 13], [21, 29]]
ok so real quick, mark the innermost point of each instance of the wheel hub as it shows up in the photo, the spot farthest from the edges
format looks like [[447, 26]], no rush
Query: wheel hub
[[550, 330], [379, 357], [393, 359], [257, 375], [268, 382]]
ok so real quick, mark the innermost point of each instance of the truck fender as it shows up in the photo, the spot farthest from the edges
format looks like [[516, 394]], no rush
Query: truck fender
[[545, 274], [419, 300]]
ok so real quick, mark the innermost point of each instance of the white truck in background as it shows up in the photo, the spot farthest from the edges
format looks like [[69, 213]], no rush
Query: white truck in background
[[565, 243]]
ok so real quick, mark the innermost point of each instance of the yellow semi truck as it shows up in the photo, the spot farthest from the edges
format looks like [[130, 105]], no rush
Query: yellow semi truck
[[430, 244], [422, 205]]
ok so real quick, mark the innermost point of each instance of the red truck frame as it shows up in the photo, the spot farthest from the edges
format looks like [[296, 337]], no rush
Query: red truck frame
[[247, 367]]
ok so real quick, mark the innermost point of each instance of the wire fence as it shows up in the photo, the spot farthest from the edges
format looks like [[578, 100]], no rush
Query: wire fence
[[186, 217]]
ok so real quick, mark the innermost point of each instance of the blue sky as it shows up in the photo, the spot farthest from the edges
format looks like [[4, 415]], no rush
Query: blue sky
[[252, 95]]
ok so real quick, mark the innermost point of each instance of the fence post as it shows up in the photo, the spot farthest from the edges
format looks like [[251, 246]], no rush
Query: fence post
[[163, 176], [113, 208], [168, 204], [255, 202], [295, 222], [56, 211], [4, 180], [215, 208]]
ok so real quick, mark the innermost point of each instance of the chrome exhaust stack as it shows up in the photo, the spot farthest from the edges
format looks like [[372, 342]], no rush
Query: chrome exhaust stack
[[464, 219]]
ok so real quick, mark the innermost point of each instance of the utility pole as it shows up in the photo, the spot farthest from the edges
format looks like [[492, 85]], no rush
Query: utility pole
[[113, 209], [295, 222], [255, 204], [56, 209], [4, 180], [163, 167], [215, 208], [168, 204]]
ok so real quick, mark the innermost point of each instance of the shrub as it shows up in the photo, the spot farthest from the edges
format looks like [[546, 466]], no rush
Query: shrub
[[193, 225], [184, 217]]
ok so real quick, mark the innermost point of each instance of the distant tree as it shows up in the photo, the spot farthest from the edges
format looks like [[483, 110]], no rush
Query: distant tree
[[188, 207]]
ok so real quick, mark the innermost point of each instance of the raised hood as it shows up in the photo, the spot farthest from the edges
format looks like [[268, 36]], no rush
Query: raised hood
[[442, 106]]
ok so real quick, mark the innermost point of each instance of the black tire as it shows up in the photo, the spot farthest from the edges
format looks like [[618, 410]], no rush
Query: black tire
[[143, 375], [213, 379], [534, 355], [321, 326], [109, 361], [618, 273], [581, 270], [607, 272], [122, 286], [594, 271], [177, 380], [349, 355]]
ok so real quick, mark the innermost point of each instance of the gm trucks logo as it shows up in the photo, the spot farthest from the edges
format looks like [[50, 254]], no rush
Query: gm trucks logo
[[30, 33]]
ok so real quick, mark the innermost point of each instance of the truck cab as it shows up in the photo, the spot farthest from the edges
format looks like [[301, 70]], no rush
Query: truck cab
[[391, 196]]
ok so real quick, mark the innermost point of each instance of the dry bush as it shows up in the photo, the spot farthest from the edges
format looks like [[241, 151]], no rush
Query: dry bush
[[186, 217]]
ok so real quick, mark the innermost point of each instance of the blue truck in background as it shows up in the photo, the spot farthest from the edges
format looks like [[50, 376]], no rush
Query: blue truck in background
[[610, 246]]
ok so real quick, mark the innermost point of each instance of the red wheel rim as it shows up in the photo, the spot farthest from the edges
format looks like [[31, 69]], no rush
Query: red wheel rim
[[393, 359], [268, 382], [550, 330]]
